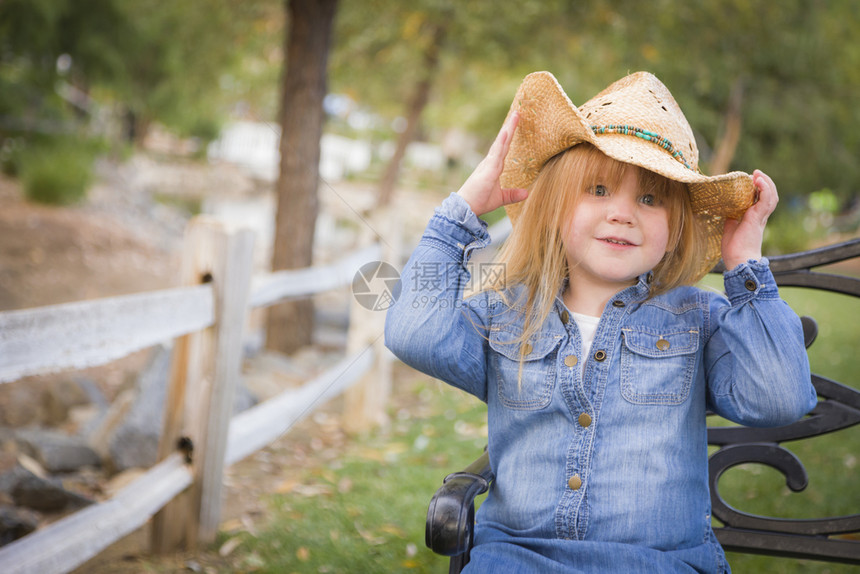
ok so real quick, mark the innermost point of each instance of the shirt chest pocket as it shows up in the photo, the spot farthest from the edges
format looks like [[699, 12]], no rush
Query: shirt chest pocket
[[526, 384], [657, 369]]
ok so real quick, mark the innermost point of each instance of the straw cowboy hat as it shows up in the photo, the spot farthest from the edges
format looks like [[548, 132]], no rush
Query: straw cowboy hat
[[635, 120]]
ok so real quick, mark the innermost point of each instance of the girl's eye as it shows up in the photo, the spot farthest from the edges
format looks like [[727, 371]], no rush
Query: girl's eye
[[648, 199], [599, 190]]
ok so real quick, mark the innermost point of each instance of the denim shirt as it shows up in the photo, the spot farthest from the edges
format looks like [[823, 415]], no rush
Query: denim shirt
[[613, 456]]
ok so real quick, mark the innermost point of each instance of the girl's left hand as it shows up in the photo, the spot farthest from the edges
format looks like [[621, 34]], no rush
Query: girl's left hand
[[742, 239]]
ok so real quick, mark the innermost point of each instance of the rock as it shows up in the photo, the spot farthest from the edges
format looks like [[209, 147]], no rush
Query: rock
[[45, 495], [134, 442], [21, 487], [55, 451], [244, 399], [84, 418], [16, 523], [94, 394]]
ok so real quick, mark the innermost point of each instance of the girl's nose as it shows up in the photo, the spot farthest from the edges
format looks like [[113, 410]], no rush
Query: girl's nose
[[621, 210]]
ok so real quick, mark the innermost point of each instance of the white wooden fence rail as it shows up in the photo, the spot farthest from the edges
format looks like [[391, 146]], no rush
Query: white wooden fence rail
[[258, 426], [90, 333]]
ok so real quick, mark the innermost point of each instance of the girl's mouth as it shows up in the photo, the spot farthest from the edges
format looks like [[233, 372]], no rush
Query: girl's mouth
[[615, 241]]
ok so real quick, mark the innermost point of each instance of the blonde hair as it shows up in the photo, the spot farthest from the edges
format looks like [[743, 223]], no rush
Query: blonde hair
[[534, 253]]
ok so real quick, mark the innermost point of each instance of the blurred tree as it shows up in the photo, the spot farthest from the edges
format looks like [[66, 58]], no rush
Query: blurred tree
[[178, 59], [42, 42], [415, 49], [765, 85], [160, 60], [431, 42], [290, 325]]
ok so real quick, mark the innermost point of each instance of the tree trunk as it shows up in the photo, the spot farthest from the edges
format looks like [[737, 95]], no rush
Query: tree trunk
[[416, 105], [290, 325], [728, 142]]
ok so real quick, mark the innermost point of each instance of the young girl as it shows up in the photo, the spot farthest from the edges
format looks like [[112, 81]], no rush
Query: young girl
[[595, 355]]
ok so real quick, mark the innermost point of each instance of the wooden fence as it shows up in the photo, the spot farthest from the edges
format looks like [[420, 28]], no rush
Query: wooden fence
[[205, 317]]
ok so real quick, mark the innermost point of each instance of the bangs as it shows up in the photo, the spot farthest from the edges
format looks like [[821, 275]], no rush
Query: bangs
[[596, 168], [573, 171], [666, 190]]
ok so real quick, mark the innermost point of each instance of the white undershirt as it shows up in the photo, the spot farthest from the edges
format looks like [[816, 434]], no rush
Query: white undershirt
[[587, 327]]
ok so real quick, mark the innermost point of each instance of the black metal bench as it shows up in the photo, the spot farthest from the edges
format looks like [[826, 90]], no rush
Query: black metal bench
[[450, 518]]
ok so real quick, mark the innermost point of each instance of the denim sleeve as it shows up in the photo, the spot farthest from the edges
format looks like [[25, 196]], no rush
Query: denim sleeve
[[430, 327], [755, 359]]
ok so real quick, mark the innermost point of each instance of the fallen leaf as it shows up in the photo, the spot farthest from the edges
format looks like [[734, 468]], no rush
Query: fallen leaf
[[329, 476], [421, 443], [371, 454], [311, 490], [231, 525], [352, 511], [396, 448], [368, 536], [248, 523], [287, 486], [32, 465], [345, 485], [393, 529], [228, 547], [253, 562]]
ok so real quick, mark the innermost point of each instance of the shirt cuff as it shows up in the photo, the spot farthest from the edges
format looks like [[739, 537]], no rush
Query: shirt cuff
[[750, 280], [454, 219]]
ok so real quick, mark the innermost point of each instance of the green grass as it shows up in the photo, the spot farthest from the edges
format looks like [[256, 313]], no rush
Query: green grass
[[365, 512]]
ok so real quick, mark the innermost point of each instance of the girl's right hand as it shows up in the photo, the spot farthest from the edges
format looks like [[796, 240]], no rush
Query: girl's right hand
[[482, 190]]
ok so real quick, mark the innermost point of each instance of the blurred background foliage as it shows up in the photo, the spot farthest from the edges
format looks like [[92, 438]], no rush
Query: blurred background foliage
[[786, 74]]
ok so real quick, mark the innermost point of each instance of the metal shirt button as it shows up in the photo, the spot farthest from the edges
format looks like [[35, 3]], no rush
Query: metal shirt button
[[585, 420], [565, 317], [750, 285], [600, 355], [618, 303], [663, 344], [570, 360], [575, 482], [526, 349]]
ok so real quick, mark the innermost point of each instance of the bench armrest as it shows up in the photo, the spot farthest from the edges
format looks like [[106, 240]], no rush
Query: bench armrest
[[451, 516]]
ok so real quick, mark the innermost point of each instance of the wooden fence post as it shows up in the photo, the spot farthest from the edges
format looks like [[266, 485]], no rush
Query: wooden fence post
[[206, 367], [365, 402]]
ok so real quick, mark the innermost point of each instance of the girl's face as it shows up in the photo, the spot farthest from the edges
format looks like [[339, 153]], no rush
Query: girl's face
[[616, 233]]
